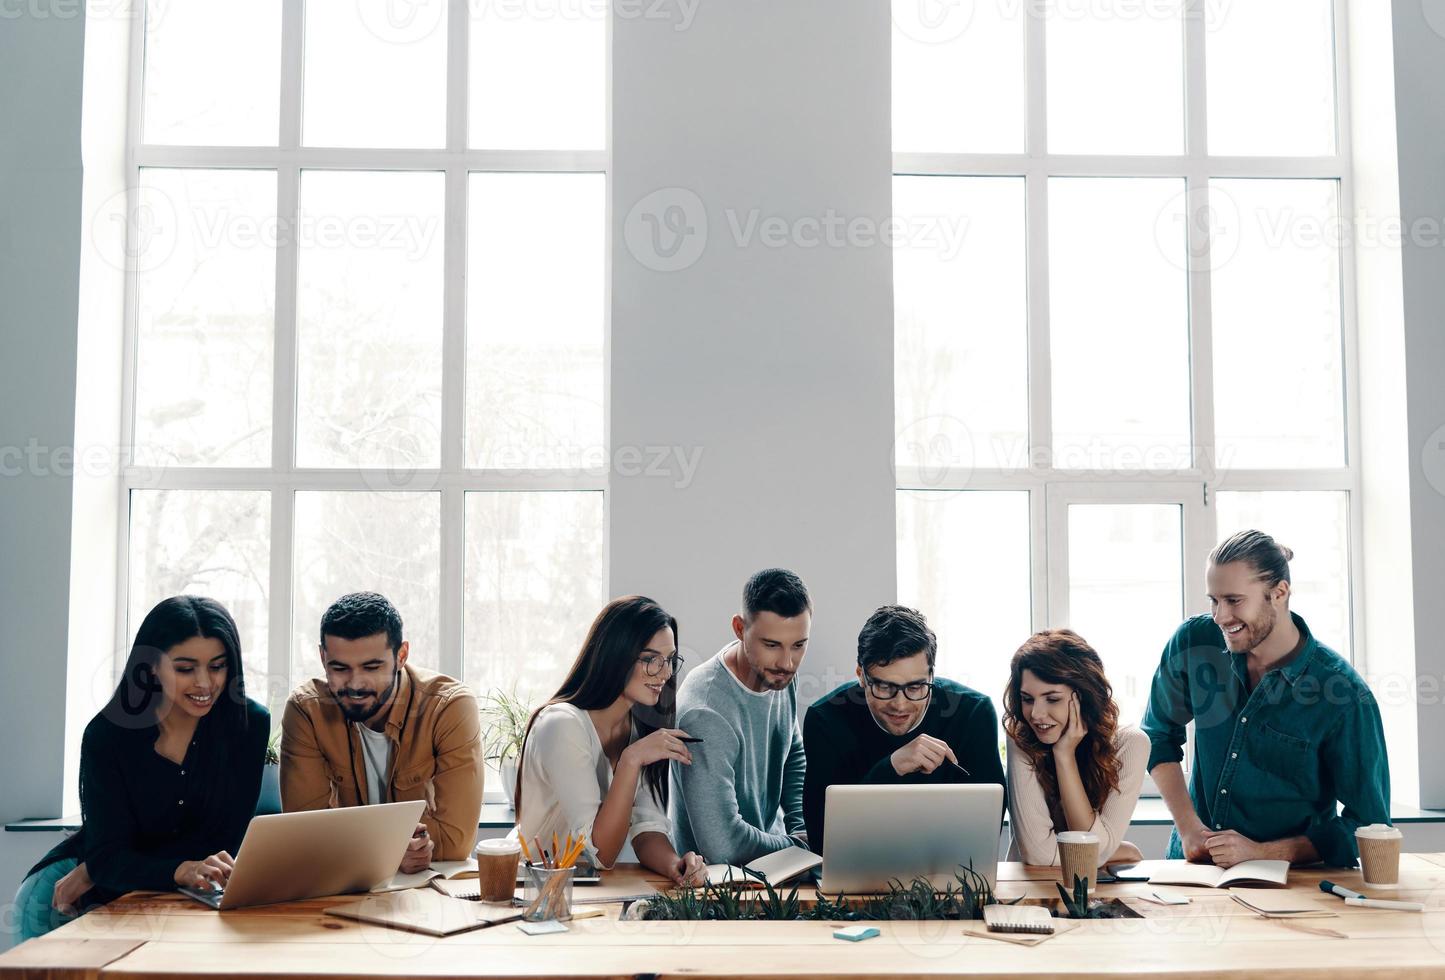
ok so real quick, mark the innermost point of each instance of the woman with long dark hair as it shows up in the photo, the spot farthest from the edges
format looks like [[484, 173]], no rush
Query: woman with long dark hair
[[170, 771], [595, 758], [1071, 766]]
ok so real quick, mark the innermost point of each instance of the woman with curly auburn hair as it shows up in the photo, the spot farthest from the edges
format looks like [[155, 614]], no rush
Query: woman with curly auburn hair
[[1071, 766]]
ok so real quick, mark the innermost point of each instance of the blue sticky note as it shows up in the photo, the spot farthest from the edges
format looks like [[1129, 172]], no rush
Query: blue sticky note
[[544, 928], [856, 934]]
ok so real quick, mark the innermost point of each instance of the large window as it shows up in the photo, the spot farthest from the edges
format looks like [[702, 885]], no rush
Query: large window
[[366, 326], [1129, 333]]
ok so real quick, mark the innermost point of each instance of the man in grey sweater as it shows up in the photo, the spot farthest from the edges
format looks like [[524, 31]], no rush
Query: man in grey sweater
[[742, 797]]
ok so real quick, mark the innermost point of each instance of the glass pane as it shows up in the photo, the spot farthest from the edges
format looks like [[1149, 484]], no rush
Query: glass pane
[[205, 316], [212, 72], [1278, 375], [535, 305], [376, 74], [214, 543], [958, 77], [358, 541], [535, 578], [1115, 76], [1316, 526], [1126, 590], [1272, 79], [1119, 324], [538, 76], [980, 609], [369, 320], [961, 323]]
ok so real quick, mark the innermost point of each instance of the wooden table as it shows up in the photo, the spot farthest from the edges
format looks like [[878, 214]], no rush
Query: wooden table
[[164, 936]]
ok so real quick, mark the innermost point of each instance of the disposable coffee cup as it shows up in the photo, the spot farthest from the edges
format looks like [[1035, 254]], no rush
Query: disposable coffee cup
[[1078, 857], [1379, 854], [497, 869]]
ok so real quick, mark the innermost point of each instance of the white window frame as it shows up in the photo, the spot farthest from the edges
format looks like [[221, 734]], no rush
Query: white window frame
[[1199, 482], [283, 478]]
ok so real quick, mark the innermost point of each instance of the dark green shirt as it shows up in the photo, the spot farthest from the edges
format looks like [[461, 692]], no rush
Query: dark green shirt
[[1272, 763], [844, 745]]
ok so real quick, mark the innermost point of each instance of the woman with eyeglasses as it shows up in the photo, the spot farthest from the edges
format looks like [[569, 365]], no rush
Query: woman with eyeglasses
[[594, 762], [1071, 765], [897, 723]]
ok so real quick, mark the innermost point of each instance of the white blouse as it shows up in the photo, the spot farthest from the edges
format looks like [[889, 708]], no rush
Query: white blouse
[[1035, 839], [565, 778]]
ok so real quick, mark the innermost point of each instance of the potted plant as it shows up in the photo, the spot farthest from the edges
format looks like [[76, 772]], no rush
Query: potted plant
[[270, 799], [504, 726], [964, 898]]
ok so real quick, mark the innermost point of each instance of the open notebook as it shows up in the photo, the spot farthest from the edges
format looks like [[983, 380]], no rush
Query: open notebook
[[775, 868], [1209, 876], [438, 869]]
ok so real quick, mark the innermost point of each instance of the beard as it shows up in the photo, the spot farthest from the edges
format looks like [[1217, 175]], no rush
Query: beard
[[366, 710], [1259, 630]]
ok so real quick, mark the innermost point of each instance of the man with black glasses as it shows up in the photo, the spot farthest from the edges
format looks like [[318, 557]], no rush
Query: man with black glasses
[[897, 723]]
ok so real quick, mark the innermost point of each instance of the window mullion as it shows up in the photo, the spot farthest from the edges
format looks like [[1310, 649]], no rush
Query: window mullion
[[293, 28], [450, 619], [1350, 336], [283, 432], [129, 330], [283, 387]]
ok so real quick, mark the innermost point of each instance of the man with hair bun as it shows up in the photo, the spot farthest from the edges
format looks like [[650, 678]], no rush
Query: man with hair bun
[[1285, 730]]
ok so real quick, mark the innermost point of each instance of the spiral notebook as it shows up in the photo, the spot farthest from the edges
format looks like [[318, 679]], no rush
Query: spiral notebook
[[1018, 918]]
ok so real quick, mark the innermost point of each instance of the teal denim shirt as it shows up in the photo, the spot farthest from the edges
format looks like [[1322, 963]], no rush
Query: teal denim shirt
[[1271, 763]]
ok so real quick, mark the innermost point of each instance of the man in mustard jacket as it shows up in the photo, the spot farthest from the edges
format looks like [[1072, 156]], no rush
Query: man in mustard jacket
[[374, 729]]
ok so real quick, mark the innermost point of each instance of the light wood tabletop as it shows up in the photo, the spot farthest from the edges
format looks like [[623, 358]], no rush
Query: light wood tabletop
[[166, 936]]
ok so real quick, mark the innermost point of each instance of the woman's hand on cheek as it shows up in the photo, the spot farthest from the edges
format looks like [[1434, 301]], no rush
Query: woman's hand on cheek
[[1074, 731]]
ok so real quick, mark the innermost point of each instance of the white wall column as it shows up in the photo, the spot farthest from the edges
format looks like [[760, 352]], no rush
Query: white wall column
[[752, 324]]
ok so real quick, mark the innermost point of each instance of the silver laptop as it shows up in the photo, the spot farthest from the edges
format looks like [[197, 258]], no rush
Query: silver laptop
[[875, 834], [286, 857]]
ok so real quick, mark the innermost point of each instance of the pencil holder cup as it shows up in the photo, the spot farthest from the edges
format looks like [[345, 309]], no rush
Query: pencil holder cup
[[547, 893]]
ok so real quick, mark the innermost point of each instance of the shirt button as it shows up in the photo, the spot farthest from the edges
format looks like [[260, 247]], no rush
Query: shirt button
[[180, 802], [1242, 719], [1225, 791], [1219, 826], [1234, 755]]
